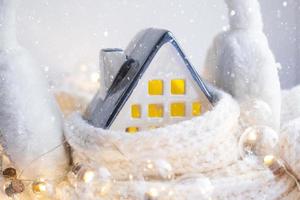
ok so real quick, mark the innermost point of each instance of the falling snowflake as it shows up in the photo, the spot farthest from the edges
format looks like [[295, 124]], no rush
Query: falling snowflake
[[284, 4], [105, 33], [232, 13]]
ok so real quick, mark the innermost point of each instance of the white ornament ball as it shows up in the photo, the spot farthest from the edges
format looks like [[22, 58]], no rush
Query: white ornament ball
[[255, 112], [258, 141], [194, 186]]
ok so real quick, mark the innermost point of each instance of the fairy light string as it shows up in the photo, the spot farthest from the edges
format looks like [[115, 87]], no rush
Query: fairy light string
[[251, 143], [16, 184], [275, 165], [65, 141]]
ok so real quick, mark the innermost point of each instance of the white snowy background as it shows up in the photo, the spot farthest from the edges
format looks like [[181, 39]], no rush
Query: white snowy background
[[66, 34]]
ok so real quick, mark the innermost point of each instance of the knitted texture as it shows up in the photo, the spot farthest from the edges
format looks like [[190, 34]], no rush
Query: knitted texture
[[202, 153], [290, 104], [197, 145]]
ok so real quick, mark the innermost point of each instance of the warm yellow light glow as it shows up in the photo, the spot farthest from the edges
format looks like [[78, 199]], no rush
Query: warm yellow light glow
[[132, 130], [136, 111], [269, 160], [170, 193], [39, 186], [155, 110], [153, 192], [196, 108], [178, 87], [88, 176], [105, 189], [150, 166], [83, 67], [130, 177], [95, 77], [178, 109], [155, 87], [252, 137], [170, 176], [67, 102]]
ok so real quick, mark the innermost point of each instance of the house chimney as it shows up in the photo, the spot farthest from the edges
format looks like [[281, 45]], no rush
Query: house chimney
[[111, 61]]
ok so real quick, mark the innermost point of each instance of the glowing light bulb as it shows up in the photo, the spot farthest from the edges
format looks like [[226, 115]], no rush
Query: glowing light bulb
[[130, 177], [269, 160], [171, 193], [153, 192], [277, 166], [83, 173], [252, 137], [150, 166], [258, 141], [94, 77], [88, 176], [39, 187], [105, 189]]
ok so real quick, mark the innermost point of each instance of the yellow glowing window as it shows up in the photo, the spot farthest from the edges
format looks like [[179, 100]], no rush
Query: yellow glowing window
[[155, 87], [177, 109], [135, 111], [196, 108], [132, 130], [155, 110], [178, 86]]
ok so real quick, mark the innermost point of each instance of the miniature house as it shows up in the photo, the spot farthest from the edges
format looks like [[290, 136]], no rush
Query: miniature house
[[150, 85]]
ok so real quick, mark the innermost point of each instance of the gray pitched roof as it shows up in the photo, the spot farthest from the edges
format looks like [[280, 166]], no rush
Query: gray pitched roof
[[140, 53]]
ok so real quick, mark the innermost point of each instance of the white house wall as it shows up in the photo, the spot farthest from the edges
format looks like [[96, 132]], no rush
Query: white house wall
[[166, 65]]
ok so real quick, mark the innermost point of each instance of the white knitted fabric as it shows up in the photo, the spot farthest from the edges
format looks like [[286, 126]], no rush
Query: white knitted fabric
[[290, 104], [197, 145], [201, 154], [203, 149]]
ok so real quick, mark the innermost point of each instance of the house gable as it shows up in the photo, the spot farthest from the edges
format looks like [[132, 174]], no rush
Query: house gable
[[166, 93], [140, 53]]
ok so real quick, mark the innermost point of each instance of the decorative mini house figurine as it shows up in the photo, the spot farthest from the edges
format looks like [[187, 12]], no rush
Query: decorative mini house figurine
[[150, 85]]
